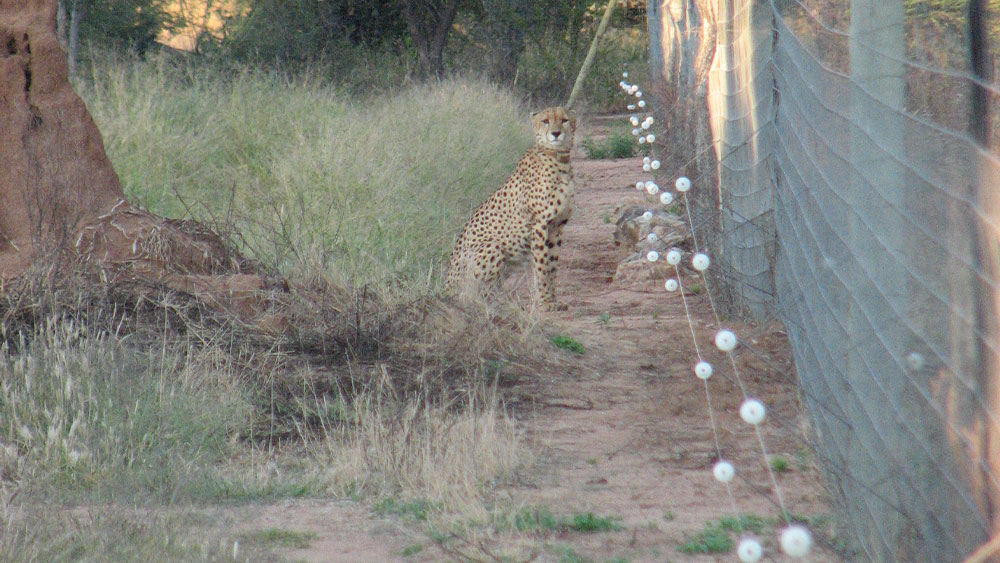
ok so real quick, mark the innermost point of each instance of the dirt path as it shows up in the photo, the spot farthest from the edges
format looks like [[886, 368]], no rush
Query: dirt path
[[644, 449], [630, 438]]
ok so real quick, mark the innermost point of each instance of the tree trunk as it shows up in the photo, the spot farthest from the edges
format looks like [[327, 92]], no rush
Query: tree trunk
[[429, 22], [61, 23], [78, 11], [589, 60]]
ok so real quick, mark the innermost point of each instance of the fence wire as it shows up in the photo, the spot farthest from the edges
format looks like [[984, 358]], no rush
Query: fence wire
[[850, 202]]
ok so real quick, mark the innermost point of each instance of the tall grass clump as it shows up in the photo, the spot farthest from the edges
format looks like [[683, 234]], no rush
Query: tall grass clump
[[448, 457], [361, 189], [84, 416]]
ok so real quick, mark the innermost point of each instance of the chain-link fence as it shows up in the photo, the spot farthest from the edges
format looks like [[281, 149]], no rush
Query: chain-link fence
[[851, 191]]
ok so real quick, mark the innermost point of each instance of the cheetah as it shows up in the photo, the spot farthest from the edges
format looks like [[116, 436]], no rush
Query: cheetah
[[527, 213]]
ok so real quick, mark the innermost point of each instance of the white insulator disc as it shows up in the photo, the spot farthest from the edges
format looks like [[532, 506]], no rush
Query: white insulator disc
[[725, 340], [752, 411], [749, 550], [796, 541], [700, 262], [703, 370], [723, 471]]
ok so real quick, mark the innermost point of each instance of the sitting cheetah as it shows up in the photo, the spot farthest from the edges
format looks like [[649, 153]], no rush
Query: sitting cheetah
[[527, 213]]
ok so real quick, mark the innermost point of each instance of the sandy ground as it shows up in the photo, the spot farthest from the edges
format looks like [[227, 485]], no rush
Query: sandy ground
[[630, 436]]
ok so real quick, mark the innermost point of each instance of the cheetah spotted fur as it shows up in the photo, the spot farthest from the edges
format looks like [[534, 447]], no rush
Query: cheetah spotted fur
[[527, 213]]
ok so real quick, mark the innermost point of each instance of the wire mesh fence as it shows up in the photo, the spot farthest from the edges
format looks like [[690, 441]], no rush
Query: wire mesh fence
[[851, 190]]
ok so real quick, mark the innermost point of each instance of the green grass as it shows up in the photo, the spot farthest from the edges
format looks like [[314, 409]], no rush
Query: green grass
[[412, 549], [744, 523], [780, 464], [618, 145], [280, 537], [590, 523], [541, 519], [416, 510], [713, 539], [116, 535], [368, 190], [567, 343], [94, 419]]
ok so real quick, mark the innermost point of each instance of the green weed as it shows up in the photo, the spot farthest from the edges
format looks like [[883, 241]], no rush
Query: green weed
[[590, 523], [567, 343], [713, 539], [780, 464]]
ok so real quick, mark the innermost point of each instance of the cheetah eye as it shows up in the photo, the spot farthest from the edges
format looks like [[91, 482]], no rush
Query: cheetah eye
[[545, 121], [565, 121]]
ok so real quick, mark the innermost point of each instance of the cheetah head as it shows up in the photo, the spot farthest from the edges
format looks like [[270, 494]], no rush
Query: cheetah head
[[554, 128]]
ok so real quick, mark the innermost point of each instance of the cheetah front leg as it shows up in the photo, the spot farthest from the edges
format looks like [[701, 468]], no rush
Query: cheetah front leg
[[545, 251]]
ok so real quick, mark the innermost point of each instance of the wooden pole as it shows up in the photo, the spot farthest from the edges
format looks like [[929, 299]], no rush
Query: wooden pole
[[589, 61]]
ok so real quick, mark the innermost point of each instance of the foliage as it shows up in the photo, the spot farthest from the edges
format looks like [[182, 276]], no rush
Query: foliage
[[130, 25], [535, 47], [276, 31]]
